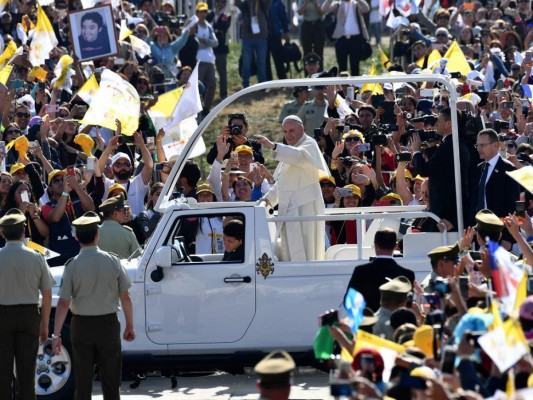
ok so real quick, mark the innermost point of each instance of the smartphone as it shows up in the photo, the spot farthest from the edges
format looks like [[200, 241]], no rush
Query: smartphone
[[507, 105], [253, 166], [403, 157], [33, 144], [427, 92], [520, 208], [119, 61], [24, 196], [364, 147], [528, 57], [367, 363], [159, 166], [463, 286], [437, 46], [234, 156], [15, 84], [447, 364], [377, 99], [345, 192], [525, 102], [124, 139], [2, 149], [350, 93], [52, 108], [90, 164], [150, 142], [455, 75], [500, 84], [388, 117], [70, 171], [401, 91]]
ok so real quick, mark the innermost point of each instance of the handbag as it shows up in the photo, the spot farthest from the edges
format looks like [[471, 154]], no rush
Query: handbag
[[328, 23], [365, 51]]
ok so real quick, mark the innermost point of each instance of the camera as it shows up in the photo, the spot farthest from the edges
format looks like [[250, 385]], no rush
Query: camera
[[423, 134], [235, 130], [364, 147], [328, 318], [426, 119], [441, 286], [123, 139], [347, 161], [345, 192], [520, 208], [403, 157], [500, 124], [407, 115], [379, 139], [505, 138]]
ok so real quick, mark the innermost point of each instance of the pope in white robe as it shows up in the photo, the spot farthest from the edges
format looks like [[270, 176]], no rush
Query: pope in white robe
[[297, 192]]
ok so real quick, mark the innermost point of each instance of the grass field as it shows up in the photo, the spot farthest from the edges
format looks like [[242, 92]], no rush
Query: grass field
[[262, 109]]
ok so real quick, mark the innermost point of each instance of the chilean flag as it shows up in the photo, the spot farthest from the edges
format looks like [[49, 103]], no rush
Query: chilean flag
[[405, 7], [497, 270]]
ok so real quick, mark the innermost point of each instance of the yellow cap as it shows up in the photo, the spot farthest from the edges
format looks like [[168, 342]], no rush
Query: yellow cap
[[54, 173], [202, 6], [16, 168], [244, 149], [116, 186], [423, 338], [392, 196], [355, 189]]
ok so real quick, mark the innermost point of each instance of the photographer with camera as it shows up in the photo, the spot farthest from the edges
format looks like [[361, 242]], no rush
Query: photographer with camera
[[235, 134]]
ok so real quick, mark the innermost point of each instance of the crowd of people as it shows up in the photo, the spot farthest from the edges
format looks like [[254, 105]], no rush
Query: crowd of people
[[343, 147]]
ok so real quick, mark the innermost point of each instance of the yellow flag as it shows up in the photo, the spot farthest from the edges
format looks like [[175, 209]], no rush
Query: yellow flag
[[375, 88], [514, 333], [5, 73], [166, 102], [44, 39], [509, 386], [523, 176], [495, 311], [88, 89], [365, 339], [521, 292], [61, 71], [124, 31], [9, 51], [385, 62], [3, 4], [37, 74], [457, 60]]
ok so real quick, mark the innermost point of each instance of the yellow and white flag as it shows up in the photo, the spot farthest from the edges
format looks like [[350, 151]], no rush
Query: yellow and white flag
[[114, 99], [44, 39], [5, 73], [88, 89], [139, 46], [3, 4], [8, 53], [375, 88], [63, 73], [456, 60]]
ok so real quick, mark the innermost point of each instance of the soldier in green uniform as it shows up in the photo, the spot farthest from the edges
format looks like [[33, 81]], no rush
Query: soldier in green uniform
[[114, 237], [23, 273], [444, 262], [93, 283], [301, 94], [275, 375]]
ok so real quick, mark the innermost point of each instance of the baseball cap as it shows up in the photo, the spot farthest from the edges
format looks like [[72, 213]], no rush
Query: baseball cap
[[119, 156], [202, 6], [54, 173]]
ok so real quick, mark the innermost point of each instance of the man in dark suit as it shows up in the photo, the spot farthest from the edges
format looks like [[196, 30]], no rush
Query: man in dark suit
[[439, 169], [221, 21], [367, 278], [495, 190]]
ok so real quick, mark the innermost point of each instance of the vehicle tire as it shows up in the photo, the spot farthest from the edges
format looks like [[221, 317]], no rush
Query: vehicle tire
[[54, 375]]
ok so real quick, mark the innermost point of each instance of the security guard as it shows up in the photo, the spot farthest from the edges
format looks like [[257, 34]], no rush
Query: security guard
[[444, 261], [23, 273], [93, 282], [488, 226], [114, 237], [393, 295], [275, 373]]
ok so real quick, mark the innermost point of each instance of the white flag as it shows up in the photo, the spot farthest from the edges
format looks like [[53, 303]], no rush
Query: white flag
[[44, 39], [189, 103]]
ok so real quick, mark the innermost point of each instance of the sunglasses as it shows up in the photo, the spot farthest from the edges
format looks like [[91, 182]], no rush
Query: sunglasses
[[352, 139], [327, 185], [23, 115], [123, 164], [441, 35], [13, 131]]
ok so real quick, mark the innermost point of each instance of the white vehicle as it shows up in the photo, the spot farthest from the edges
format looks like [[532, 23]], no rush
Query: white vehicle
[[194, 311]]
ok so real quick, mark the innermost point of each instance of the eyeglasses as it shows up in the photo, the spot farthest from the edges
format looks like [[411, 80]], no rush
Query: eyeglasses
[[478, 145], [352, 139], [12, 132], [123, 164], [23, 115]]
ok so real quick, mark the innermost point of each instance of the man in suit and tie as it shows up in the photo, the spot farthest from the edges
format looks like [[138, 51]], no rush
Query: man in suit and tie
[[495, 190], [439, 169], [367, 278]]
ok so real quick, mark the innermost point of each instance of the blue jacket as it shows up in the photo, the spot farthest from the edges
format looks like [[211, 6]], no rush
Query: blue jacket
[[278, 22], [166, 54]]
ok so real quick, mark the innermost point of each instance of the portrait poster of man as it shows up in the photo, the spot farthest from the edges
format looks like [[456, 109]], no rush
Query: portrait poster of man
[[93, 33]]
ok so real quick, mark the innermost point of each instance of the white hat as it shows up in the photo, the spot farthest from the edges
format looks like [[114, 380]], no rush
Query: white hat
[[118, 156]]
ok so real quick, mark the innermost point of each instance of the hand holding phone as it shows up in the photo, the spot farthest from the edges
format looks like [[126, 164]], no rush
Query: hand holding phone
[[24, 196]]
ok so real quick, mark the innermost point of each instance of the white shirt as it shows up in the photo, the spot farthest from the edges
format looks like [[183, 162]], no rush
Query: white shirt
[[136, 189], [351, 26], [492, 164], [209, 238]]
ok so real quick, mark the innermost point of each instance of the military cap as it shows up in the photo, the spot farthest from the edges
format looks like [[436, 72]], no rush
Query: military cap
[[445, 253], [400, 285], [205, 187], [244, 149], [87, 222], [12, 219], [275, 368], [312, 58], [487, 221], [113, 203], [368, 317]]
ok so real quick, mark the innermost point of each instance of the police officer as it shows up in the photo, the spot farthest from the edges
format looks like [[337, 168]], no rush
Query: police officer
[[275, 373], [114, 237], [393, 295], [444, 262], [23, 273], [93, 283]]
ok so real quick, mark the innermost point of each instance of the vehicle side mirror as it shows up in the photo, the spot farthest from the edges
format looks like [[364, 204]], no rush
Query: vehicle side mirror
[[163, 257]]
